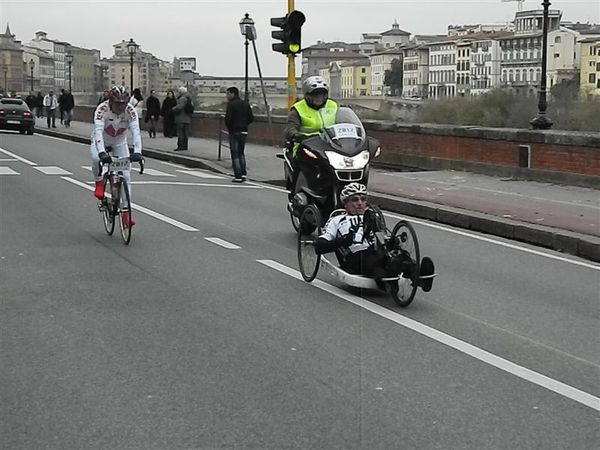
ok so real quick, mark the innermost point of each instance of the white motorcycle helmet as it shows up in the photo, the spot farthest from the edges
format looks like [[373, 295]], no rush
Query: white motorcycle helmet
[[314, 85]]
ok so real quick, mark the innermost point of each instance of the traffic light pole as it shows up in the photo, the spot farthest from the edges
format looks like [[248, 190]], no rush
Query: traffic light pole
[[292, 91]]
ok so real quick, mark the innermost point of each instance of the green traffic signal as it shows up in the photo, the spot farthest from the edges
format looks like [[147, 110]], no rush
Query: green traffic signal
[[290, 34]]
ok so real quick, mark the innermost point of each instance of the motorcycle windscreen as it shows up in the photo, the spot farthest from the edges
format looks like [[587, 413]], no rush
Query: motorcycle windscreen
[[346, 134]]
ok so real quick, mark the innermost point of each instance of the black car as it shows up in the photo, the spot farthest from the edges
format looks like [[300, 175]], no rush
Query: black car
[[15, 115]]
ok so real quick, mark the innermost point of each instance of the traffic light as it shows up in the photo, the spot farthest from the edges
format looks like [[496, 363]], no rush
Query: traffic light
[[290, 34]]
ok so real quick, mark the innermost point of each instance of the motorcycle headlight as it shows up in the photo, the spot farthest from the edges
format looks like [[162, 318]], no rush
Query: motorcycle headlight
[[341, 162]]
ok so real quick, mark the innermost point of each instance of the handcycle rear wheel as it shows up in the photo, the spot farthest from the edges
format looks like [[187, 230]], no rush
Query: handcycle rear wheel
[[403, 291], [108, 209], [308, 232], [124, 206]]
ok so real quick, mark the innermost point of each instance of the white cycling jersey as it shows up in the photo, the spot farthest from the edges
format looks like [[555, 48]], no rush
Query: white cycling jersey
[[339, 226], [110, 129]]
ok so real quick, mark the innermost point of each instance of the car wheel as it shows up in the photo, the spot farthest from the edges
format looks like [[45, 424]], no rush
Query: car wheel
[[30, 131], [22, 131]]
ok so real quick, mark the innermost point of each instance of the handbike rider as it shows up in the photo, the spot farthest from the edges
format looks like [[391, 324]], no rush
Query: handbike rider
[[112, 119], [306, 119], [351, 236]]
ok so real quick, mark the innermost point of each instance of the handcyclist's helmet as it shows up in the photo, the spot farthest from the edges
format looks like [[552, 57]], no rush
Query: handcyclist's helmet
[[118, 97], [313, 88], [352, 189]]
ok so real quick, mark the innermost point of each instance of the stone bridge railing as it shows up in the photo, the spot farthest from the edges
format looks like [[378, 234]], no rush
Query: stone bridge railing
[[548, 156]]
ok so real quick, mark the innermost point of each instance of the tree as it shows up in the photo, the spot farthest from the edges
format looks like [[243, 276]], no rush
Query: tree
[[393, 77]]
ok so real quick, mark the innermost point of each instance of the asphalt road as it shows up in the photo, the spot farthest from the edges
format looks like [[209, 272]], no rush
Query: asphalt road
[[200, 335]]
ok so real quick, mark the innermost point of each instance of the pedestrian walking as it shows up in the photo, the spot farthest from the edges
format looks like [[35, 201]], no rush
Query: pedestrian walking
[[237, 118], [51, 106], [166, 111], [137, 101], [68, 104], [103, 97], [61, 109], [152, 113], [31, 101], [40, 104], [183, 118]]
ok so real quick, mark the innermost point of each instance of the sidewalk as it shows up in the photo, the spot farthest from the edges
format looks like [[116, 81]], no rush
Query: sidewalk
[[564, 218]]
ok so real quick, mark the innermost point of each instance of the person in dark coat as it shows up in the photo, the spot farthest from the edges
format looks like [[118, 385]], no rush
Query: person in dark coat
[[183, 118], [68, 103], [168, 114], [40, 104], [152, 113], [237, 118], [31, 101]]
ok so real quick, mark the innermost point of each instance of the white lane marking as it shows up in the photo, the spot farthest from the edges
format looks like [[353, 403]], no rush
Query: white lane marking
[[494, 191], [179, 166], [87, 168], [7, 171], [197, 173], [489, 358], [140, 208], [222, 243], [8, 159], [267, 186], [184, 183], [53, 170], [493, 241], [157, 173], [18, 158]]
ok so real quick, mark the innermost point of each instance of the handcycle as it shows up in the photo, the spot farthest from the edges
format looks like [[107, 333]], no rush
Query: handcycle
[[400, 242], [116, 199]]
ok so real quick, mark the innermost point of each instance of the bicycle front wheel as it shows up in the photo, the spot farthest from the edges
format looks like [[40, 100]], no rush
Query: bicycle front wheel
[[125, 212], [108, 209]]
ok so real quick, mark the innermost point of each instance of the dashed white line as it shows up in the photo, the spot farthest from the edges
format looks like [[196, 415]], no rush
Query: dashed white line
[[197, 173], [17, 157], [222, 243], [8, 171], [140, 208], [52, 170], [489, 358]]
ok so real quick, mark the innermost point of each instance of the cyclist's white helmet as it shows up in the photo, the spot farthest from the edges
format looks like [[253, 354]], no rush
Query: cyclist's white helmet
[[352, 189], [117, 99]]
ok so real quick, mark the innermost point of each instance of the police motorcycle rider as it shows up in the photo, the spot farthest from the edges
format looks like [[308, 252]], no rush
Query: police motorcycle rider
[[352, 236], [306, 118], [112, 119]]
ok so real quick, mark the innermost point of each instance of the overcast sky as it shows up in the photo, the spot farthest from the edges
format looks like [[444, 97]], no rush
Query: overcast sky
[[209, 30]]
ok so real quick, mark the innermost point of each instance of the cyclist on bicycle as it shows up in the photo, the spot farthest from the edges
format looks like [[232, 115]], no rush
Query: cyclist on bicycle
[[352, 236], [112, 119]]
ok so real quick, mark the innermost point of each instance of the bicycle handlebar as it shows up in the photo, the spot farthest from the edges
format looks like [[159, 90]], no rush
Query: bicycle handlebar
[[140, 162]]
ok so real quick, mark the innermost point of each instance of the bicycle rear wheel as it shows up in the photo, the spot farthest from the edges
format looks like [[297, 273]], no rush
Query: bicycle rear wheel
[[125, 207], [403, 291], [108, 209]]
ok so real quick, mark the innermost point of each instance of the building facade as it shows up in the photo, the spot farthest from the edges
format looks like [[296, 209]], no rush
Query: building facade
[[442, 69], [43, 69], [486, 73], [590, 68], [56, 49], [12, 65], [355, 78], [84, 74], [380, 62], [416, 72]]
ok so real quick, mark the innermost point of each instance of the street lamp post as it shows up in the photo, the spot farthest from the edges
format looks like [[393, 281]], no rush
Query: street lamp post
[[5, 81], [249, 32], [132, 49], [69, 58], [541, 121], [31, 66]]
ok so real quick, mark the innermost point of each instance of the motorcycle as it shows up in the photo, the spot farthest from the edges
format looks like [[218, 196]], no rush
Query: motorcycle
[[340, 154]]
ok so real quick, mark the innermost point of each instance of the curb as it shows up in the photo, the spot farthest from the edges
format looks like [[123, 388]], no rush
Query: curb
[[583, 246]]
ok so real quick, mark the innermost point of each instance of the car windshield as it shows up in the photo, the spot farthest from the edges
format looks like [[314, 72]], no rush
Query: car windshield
[[344, 132]]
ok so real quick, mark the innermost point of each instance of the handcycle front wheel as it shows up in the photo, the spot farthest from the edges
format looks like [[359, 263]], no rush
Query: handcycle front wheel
[[108, 209], [403, 291], [125, 207], [308, 232]]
